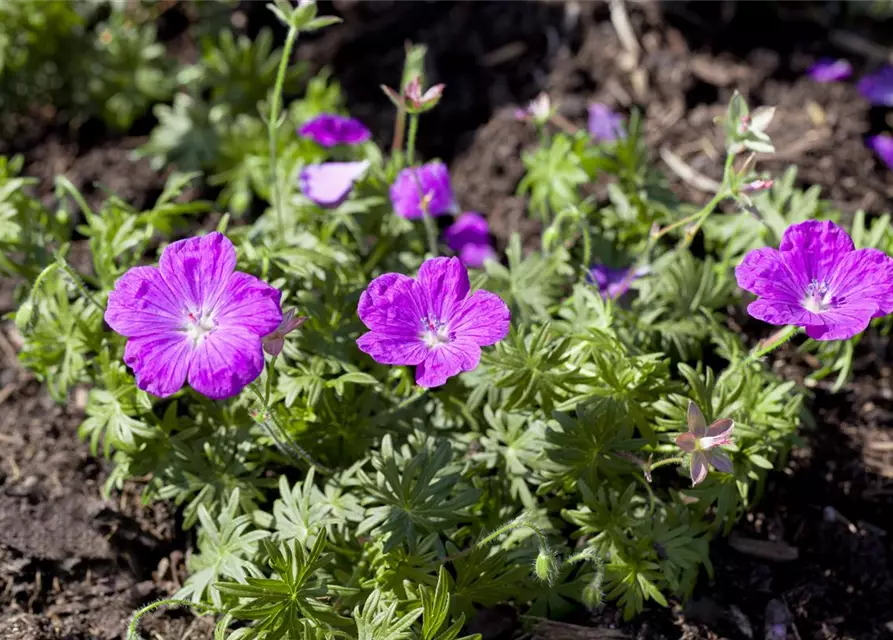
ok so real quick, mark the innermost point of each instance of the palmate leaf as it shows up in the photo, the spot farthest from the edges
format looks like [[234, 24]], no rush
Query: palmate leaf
[[415, 490], [512, 444], [116, 414], [227, 546], [292, 596]]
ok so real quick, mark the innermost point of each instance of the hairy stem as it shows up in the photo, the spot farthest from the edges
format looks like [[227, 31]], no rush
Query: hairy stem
[[78, 282], [171, 602]]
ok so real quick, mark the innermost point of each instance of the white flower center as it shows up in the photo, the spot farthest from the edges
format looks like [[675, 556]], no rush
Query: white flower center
[[199, 325], [434, 332], [818, 297]]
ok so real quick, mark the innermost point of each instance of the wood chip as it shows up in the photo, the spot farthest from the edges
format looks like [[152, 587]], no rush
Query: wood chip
[[764, 549]]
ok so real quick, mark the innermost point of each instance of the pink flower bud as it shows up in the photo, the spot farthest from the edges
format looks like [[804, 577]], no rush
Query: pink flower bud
[[757, 185], [274, 342]]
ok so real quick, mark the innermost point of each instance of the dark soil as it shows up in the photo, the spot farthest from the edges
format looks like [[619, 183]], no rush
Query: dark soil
[[74, 565]]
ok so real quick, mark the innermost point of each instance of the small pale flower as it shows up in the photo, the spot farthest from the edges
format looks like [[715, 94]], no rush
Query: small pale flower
[[329, 184], [417, 99], [829, 70], [539, 110], [818, 280], [604, 124], [877, 87], [469, 237], [431, 181], [274, 342], [194, 318], [700, 441], [613, 282], [883, 146], [329, 130], [432, 322]]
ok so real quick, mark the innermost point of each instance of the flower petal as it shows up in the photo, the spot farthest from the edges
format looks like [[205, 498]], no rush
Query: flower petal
[[159, 361], [604, 124], [411, 184], [815, 247], [225, 362], [883, 147], [866, 274], [393, 304], [698, 467], [329, 130], [779, 312], [446, 361], [830, 70], [877, 87], [390, 349], [697, 424], [142, 304], [842, 323], [764, 272], [469, 228], [686, 441], [474, 256], [444, 282], [198, 269], [720, 461], [719, 433], [484, 319], [249, 304], [329, 184]]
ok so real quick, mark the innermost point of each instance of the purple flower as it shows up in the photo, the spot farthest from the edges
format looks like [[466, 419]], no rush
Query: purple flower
[[883, 146], [613, 282], [817, 279], [469, 237], [329, 130], [431, 322], [604, 124], [194, 317], [329, 184], [877, 87], [431, 181], [700, 439], [828, 70], [274, 342]]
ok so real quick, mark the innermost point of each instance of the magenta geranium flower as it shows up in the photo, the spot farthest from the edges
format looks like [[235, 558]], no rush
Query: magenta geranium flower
[[611, 281], [329, 130], [433, 322], [431, 181], [469, 237], [194, 318], [818, 280], [883, 147], [699, 441], [329, 184], [828, 70], [877, 87], [604, 124]]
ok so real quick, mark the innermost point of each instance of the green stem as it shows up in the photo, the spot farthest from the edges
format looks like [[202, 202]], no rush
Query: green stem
[[508, 526], [410, 140], [288, 447], [273, 129], [665, 462], [131, 628], [764, 347], [78, 282]]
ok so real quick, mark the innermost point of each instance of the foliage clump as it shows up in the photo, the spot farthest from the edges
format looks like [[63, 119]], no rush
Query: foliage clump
[[334, 498]]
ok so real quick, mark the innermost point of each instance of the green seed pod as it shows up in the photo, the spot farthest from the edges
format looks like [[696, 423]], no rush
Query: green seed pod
[[546, 566]]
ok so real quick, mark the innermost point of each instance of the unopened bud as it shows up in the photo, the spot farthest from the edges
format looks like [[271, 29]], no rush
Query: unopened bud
[[546, 566], [593, 594], [743, 124], [757, 185]]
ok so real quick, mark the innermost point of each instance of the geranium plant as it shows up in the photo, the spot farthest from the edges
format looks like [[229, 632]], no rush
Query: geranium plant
[[377, 424]]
